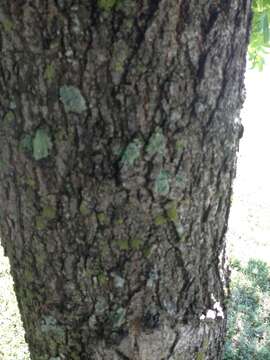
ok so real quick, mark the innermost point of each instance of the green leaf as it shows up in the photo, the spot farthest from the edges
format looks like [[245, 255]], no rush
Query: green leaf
[[265, 29]]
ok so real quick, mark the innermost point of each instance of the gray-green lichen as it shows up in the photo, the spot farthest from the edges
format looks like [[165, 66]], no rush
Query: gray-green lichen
[[172, 211], [162, 185], [131, 153], [119, 282], [48, 213], [72, 99], [49, 324], [107, 5], [118, 317], [157, 143], [136, 243], [123, 244], [12, 104], [84, 209], [26, 144], [49, 73], [9, 118], [41, 144], [160, 219], [7, 25]]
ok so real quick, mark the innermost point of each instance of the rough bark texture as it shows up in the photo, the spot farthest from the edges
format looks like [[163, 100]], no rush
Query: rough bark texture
[[119, 135]]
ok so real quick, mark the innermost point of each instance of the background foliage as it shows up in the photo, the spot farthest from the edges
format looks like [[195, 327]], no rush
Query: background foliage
[[259, 41], [248, 335]]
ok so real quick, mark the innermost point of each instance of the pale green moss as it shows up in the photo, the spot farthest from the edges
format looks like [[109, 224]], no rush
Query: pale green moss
[[9, 118], [49, 212], [49, 324], [49, 73], [102, 218], [41, 144], [7, 25], [102, 279], [84, 210], [157, 143], [172, 211], [41, 259], [146, 251], [28, 275], [119, 221], [31, 182], [160, 220], [118, 317], [131, 153], [72, 99], [2, 164], [162, 185], [107, 5], [26, 144], [12, 104], [200, 356], [41, 223], [123, 244], [205, 344], [179, 145], [136, 243], [178, 180]]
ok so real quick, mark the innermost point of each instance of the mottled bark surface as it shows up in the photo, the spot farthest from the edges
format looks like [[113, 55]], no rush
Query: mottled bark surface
[[118, 145]]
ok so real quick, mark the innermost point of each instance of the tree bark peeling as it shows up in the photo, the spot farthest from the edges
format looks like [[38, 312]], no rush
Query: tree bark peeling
[[117, 188]]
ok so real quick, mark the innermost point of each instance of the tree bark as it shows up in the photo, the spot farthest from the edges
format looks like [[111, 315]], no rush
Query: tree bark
[[119, 131]]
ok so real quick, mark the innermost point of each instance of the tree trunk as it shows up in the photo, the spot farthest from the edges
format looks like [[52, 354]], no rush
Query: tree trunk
[[119, 135]]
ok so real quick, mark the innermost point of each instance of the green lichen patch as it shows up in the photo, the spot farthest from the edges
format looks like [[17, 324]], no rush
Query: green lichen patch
[[102, 279], [107, 5], [172, 211], [26, 143], [9, 118], [41, 223], [119, 221], [146, 250], [131, 153], [179, 180], [102, 218], [136, 243], [179, 145], [7, 25], [200, 356], [41, 144], [3, 164], [84, 209], [12, 104], [157, 143], [49, 212], [123, 244], [49, 324], [49, 73], [72, 99], [162, 184], [160, 219], [117, 318]]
